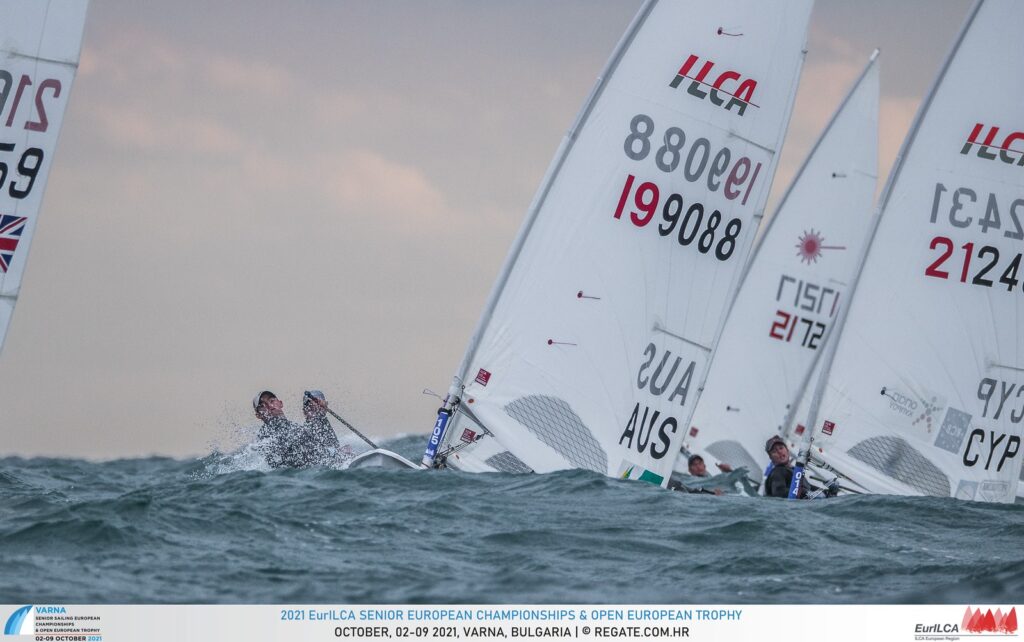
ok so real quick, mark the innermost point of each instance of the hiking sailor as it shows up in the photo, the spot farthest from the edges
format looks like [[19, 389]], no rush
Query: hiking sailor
[[280, 439], [324, 442], [289, 445], [778, 476], [697, 468]]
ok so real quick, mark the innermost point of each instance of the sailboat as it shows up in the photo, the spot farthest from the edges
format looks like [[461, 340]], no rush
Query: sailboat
[[922, 393], [39, 50], [595, 341], [793, 288]]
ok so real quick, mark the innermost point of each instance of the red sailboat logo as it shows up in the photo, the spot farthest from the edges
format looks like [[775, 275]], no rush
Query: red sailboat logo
[[988, 622]]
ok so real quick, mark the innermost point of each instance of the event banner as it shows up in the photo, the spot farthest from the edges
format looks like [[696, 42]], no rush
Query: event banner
[[897, 623]]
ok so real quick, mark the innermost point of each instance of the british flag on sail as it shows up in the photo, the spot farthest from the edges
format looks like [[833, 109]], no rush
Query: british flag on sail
[[11, 228]]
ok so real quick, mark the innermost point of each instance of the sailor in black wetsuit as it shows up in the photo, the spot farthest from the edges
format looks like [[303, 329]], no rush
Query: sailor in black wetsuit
[[284, 444], [779, 474], [324, 445]]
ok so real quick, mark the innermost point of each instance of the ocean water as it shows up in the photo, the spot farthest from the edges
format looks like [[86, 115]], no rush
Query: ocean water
[[160, 530]]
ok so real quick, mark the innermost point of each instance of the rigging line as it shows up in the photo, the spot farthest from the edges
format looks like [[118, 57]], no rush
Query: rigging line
[[768, 150], [820, 465], [1005, 149], [659, 328], [993, 364], [55, 61]]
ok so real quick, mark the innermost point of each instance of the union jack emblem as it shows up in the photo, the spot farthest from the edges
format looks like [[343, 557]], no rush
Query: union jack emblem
[[11, 228], [10, 233]]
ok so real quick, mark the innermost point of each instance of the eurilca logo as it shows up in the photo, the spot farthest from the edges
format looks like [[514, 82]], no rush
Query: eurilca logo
[[739, 97], [989, 622]]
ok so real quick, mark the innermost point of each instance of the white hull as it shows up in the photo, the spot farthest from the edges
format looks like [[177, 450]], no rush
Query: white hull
[[381, 458]]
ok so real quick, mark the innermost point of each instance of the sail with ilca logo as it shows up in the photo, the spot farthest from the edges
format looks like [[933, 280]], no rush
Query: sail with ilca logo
[[40, 42], [924, 389], [794, 286], [597, 335]]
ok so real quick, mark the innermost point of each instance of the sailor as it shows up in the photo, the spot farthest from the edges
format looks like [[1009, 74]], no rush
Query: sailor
[[779, 474], [695, 464], [284, 444], [696, 467], [325, 446]]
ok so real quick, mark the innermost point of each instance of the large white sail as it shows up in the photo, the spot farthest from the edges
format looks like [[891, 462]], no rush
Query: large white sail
[[923, 394], [40, 41], [597, 336], [794, 287]]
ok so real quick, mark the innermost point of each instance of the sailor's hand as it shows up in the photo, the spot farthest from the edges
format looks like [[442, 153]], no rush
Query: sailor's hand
[[725, 468], [314, 405]]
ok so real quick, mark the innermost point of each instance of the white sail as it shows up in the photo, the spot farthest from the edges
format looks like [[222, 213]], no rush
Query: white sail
[[40, 41], [794, 287], [597, 335], [923, 393]]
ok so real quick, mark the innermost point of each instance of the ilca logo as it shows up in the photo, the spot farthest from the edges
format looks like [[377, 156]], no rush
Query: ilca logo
[[1007, 153], [738, 91]]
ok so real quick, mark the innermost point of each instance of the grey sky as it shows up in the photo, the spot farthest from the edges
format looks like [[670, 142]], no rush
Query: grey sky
[[292, 195]]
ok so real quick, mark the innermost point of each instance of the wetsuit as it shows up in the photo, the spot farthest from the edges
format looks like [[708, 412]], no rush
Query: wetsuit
[[324, 447], [286, 445], [777, 480]]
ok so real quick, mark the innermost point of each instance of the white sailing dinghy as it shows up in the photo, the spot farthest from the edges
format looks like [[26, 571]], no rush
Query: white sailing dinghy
[[923, 389], [381, 458], [794, 286], [595, 340], [40, 42]]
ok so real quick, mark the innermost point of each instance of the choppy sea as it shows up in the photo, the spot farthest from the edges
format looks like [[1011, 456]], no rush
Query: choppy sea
[[216, 530]]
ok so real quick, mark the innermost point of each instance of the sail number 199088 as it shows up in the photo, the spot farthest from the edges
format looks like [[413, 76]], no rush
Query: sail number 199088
[[735, 177], [687, 221]]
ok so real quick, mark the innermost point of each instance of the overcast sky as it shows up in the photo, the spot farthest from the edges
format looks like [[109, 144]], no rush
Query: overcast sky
[[315, 194]]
